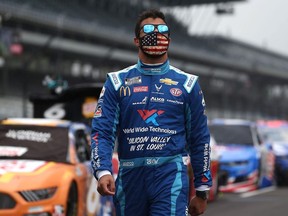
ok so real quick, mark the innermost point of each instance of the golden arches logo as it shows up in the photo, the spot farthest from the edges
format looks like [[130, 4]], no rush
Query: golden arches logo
[[125, 91]]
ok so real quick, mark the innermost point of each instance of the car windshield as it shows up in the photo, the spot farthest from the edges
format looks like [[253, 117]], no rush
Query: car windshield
[[232, 134], [274, 134], [34, 142]]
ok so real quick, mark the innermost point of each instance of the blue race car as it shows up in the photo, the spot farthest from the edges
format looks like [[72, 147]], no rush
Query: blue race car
[[244, 164], [274, 133]]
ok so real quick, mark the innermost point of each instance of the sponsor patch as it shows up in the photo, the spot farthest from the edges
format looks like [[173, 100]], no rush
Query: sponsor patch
[[168, 81], [176, 92], [203, 102], [140, 89], [149, 116], [133, 80], [175, 101], [98, 112], [102, 92], [144, 101], [206, 176], [158, 89], [125, 91], [115, 79], [190, 82], [157, 100]]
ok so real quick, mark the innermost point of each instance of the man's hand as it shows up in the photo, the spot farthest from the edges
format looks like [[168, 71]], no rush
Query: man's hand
[[197, 206], [106, 185]]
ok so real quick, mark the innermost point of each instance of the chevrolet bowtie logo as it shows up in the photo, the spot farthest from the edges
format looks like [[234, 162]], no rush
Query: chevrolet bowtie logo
[[168, 81], [125, 91]]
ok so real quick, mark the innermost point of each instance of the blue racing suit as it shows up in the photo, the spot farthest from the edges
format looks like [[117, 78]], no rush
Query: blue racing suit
[[157, 115]]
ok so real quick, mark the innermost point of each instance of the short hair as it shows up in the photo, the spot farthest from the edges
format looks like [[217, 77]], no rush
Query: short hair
[[152, 13]]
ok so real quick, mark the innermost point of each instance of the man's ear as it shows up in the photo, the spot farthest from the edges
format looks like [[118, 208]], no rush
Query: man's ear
[[137, 42]]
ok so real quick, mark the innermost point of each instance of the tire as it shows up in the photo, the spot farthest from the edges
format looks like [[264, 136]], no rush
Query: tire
[[72, 201]]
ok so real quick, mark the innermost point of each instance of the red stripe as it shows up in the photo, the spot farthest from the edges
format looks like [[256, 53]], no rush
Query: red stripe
[[155, 48]]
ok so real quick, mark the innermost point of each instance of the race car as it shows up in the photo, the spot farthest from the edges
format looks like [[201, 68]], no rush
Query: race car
[[274, 133], [244, 164], [45, 170]]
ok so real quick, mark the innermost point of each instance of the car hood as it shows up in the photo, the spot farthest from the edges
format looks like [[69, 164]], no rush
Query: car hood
[[26, 174], [236, 153], [280, 148]]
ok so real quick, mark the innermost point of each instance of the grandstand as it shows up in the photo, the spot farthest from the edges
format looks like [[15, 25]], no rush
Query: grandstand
[[81, 40]]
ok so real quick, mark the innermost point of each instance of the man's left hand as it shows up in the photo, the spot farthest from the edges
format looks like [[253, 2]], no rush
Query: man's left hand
[[197, 206]]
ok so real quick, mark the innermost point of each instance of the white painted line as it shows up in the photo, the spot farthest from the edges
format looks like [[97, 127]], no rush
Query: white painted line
[[257, 192]]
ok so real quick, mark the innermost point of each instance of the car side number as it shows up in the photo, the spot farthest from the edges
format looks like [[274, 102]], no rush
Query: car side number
[[56, 111]]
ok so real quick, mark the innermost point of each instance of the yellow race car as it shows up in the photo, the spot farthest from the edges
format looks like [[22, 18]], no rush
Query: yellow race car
[[45, 170]]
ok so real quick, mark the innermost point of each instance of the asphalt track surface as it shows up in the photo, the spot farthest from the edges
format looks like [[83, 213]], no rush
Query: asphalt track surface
[[267, 202]]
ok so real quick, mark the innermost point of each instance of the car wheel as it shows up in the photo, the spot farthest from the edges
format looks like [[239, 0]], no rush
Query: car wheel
[[72, 201]]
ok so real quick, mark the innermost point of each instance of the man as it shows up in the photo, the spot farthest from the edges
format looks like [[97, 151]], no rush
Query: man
[[156, 111]]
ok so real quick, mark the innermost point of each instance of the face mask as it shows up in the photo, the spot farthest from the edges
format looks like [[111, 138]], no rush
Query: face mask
[[154, 44]]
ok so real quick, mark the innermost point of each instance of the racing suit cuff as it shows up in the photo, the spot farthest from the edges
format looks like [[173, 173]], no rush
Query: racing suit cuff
[[202, 188], [101, 173]]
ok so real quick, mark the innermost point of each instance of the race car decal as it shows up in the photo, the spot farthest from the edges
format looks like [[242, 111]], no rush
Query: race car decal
[[19, 166], [12, 151], [29, 135]]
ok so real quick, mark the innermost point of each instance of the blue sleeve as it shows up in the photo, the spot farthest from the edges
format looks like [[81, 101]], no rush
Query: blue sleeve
[[198, 137], [104, 127]]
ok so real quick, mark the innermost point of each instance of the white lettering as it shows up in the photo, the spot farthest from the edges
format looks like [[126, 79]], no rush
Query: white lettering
[[132, 148], [29, 135], [140, 147], [128, 163], [160, 139], [152, 161], [128, 130], [156, 99], [162, 130], [141, 129], [134, 140], [155, 146]]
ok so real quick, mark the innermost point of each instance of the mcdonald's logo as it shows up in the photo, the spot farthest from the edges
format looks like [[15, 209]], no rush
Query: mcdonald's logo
[[125, 91]]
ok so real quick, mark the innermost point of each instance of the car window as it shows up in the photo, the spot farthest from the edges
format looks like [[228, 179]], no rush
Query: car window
[[274, 134], [232, 134], [34, 142]]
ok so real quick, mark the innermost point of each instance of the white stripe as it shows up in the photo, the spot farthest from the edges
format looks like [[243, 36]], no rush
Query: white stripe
[[257, 192], [187, 85], [115, 77]]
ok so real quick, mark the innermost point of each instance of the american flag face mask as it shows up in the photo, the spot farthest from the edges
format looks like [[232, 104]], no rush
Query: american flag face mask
[[154, 44]]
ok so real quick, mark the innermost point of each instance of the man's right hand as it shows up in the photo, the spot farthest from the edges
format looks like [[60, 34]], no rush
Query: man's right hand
[[106, 185]]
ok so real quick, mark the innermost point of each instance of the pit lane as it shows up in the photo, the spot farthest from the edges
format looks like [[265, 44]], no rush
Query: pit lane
[[269, 202]]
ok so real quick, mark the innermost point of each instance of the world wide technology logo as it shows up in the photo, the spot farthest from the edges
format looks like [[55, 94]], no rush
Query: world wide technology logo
[[149, 116]]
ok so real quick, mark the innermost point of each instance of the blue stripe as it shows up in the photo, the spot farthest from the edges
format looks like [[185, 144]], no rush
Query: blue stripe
[[188, 121], [176, 189], [120, 194], [116, 121], [149, 161]]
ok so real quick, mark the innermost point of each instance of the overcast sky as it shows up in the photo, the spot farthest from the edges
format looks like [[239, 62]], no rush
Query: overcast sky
[[263, 23]]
